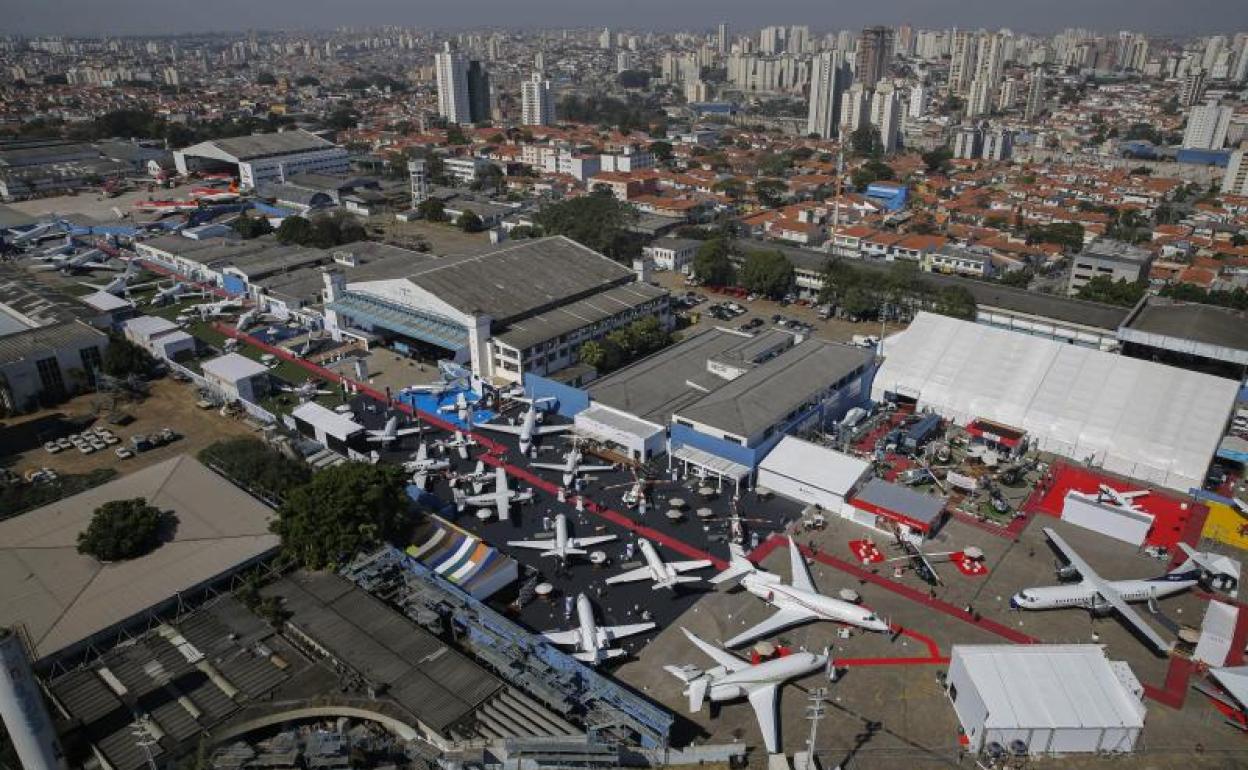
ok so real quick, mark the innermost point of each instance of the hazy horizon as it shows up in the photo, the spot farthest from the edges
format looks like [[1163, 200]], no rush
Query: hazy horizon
[[162, 17]]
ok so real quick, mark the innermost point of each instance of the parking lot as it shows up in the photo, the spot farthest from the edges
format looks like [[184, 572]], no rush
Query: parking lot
[[169, 404]]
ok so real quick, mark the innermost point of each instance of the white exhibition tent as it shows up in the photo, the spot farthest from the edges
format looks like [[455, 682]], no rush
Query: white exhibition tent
[[811, 474], [1141, 419]]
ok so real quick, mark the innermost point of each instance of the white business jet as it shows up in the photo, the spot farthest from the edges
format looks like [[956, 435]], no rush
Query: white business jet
[[592, 641], [571, 466], [1101, 596], [664, 574], [528, 429], [797, 602], [392, 431], [734, 678], [562, 546]]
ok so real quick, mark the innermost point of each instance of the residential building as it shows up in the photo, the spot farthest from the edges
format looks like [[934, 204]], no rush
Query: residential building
[[855, 109], [998, 144], [886, 116], [672, 253], [480, 108], [1035, 95], [875, 55], [1235, 179], [917, 105], [452, 74], [827, 81], [962, 61], [1207, 126], [968, 142], [1115, 260], [1192, 88], [538, 105]]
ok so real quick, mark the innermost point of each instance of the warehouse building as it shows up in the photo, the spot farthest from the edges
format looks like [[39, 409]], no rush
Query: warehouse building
[[264, 158], [329, 428], [811, 474], [1044, 699], [1203, 337], [236, 377], [160, 337], [68, 601], [1136, 418]]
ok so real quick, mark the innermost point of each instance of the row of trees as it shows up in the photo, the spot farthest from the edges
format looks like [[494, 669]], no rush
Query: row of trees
[[635, 113], [624, 345], [322, 232], [861, 293], [1105, 289], [598, 221], [768, 272]]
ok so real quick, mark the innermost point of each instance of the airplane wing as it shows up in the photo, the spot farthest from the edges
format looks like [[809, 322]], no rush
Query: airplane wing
[[608, 634], [563, 637], [546, 430], [801, 573], [486, 499], [722, 657], [763, 700], [594, 468], [1107, 592], [632, 576], [514, 430], [778, 622], [420, 479], [537, 545], [687, 566], [503, 505], [548, 466], [407, 431], [463, 451], [585, 542]]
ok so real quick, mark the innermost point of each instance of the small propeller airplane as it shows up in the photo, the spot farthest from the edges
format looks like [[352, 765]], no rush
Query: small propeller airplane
[[528, 429], [461, 443], [501, 498], [592, 641], [562, 546], [392, 432], [421, 465], [664, 574], [572, 467], [308, 390], [475, 478]]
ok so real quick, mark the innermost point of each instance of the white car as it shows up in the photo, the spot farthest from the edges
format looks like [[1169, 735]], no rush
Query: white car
[[64, 443], [52, 447], [85, 448], [123, 453], [110, 439]]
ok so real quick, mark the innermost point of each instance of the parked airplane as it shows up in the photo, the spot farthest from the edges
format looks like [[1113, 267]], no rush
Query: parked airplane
[[308, 390], [461, 443], [1101, 596], [392, 431], [245, 319], [592, 641], [174, 292], [475, 478], [735, 678], [501, 498], [422, 465], [797, 602], [664, 574], [220, 307], [528, 429], [120, 285], [571, 466], [562, 546], [69, 263]]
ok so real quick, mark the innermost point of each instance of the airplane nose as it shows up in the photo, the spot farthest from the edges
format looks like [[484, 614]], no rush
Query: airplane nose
[[1014, 602]]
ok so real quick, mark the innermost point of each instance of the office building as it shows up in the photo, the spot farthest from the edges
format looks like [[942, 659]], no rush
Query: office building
[[1207, 125], [875, 55], [1111, 259], [538, 105], [855, 109], [1235, 180], [827, 81], [452, 74], [886, 116], [479, 98]]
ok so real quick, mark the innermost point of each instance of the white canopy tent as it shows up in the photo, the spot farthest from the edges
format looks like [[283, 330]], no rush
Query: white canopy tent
[[1148, 421]]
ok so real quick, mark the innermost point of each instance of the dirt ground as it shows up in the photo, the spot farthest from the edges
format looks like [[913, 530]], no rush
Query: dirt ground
[[833, 329], [443, 239], [170, 404]]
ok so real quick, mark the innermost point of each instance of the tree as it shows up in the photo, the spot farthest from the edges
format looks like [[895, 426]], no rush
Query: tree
[[341, 511], [1068, 234], [768, 273], [432, 209], [662, 151], [937, 161], [872, 171], [306, 80], [123, 529], [266, 79], [711, 264], [252, 227], [1105, 289], [469, 222], [633, 79], [456, 135], [770, 192], [123, 358], [524, 231], [732, 187], [1020, 279], [598, 221], [866, 142], [296, 230], [252, 464]]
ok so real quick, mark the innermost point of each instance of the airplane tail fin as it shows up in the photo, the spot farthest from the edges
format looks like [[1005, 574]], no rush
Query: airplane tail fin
[[1197, 566], [738, 568]]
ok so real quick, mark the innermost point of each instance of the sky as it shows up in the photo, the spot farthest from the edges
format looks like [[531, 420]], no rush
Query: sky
[[1177, 18]]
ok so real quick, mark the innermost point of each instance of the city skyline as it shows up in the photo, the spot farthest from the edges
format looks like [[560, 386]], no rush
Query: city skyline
[[153, 17]]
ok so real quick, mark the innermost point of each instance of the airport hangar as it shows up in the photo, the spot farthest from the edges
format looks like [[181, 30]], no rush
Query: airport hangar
[[262, 158], [1140, 419], [524, 308], [718, 402], [68, 603]]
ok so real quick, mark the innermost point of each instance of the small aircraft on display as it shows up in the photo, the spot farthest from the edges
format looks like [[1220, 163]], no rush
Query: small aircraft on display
[[562, 546], [174, 292], [120, 285], [307, 391], [221, 307], [70, 263], [734, 678], [572, 467], [592, 641], [664, 574], [461, 443], [475, 478], [1102, 597], [528, 429], [421, 465], [501, 498], [392, 432], [797, 602]]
